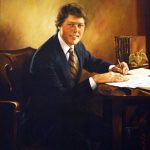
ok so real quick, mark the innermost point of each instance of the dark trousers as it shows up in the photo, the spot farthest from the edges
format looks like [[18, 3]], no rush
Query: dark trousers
[[74, 131]]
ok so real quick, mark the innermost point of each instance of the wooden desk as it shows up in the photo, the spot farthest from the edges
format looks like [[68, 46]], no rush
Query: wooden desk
[[116, 102]]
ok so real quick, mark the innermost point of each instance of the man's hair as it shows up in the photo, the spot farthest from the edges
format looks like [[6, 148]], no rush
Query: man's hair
[[69, 9]]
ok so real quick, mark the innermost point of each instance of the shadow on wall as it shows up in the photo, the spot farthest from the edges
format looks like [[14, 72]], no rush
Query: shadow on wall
[[32, 23], [9, 36]]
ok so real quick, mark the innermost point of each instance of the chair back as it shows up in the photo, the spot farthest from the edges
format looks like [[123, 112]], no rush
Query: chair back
[[14, 72]]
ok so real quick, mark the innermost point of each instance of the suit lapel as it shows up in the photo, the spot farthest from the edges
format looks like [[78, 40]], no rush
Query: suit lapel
[[63, 65], [78, 52]]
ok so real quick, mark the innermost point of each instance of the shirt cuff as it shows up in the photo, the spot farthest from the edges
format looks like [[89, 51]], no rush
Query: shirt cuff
[[110, 67], [92, 83]]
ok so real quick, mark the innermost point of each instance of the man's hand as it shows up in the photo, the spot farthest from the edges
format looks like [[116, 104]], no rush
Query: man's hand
[[121, 68], [109, 77]]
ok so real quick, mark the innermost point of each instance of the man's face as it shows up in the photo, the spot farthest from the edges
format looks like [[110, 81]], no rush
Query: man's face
[[72, 29]]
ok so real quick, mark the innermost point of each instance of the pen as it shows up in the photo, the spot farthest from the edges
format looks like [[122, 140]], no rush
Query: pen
[[119, 63], [120, 66]]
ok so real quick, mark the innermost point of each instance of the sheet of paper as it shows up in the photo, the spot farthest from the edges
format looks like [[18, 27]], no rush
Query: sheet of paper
[[140, 71], [139, 78]]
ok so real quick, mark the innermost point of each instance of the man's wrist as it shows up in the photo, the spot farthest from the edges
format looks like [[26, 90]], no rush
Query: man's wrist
[[92, 83], [110, 67]]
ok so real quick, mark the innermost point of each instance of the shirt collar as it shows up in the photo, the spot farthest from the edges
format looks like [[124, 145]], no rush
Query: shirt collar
[[63, 44]]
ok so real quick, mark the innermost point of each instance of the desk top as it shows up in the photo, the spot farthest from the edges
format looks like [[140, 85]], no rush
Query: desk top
[[109, 90]]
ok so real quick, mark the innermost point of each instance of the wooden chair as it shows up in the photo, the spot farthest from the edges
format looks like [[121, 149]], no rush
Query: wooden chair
[[14, 67]]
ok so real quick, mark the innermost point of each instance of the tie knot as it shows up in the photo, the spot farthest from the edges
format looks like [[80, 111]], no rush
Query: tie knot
[[71, 50]]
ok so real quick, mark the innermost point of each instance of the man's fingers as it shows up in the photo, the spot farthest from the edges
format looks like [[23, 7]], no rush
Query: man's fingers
[[117, 77]]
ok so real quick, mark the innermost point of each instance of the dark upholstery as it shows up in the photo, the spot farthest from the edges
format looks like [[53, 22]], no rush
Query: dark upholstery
[[14, 79], [14, 65]]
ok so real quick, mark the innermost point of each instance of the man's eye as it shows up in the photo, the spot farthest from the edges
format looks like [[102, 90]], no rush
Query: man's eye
[[80, 25], [76, 24], [70, 24]]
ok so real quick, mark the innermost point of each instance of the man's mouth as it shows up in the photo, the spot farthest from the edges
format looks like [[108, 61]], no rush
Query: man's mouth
[[75, 36]]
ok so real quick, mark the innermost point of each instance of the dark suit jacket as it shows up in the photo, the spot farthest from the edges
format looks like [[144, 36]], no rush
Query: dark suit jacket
[[51, 75]]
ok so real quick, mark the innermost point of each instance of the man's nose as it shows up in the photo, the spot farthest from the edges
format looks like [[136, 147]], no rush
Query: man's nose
[[76, 28]]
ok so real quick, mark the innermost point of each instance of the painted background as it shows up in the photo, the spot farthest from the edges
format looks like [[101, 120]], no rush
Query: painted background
[[30, 22]]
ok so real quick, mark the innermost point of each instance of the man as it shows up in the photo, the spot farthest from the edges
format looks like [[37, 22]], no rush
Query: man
[[54, 116]]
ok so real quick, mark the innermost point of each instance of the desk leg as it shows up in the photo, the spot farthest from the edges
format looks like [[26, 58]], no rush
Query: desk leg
[[117, 123], [113, 114]]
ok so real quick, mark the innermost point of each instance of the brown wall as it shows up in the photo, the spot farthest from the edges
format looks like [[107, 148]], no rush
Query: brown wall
[[30, 22], [147, 25]]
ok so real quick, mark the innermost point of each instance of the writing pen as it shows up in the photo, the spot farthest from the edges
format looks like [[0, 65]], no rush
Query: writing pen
[[119, 63], [120, 66]]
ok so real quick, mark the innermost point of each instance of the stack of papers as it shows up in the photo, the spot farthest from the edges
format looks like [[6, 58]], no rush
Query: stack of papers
[[138, 78]]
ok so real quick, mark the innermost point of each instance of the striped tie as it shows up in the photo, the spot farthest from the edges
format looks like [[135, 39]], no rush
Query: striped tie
[[73, 64]]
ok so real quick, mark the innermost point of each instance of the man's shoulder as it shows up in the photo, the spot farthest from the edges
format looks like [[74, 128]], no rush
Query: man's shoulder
[[80, 45], [47, 49], [53, 40], [50, 44]]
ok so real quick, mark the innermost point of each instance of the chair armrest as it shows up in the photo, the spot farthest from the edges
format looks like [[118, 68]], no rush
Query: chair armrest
[[9, 111], [14, 104]]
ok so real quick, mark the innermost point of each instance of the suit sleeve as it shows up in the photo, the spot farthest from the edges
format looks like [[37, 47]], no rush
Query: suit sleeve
[[93, 64]]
